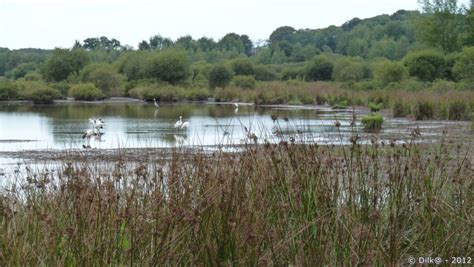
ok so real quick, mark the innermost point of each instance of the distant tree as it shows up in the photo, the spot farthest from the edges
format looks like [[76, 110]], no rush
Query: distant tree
[[104, 77], [186, 42], [441, 25], [248, 45], [144, 45], [242, 66], [158, 42], [285, 46], [387, 72], [319, 69], [64, 62], [464, 67], [206, 44], [284, 33], [170, 65], [219, 76], [427, 65], [348, 70], [21, 70], [231, 41], [133, 65]]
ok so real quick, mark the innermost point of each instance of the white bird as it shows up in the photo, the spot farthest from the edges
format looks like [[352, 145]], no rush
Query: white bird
[[97, 123], [156, 103], [91, 133], [236, 105], [179, 123], [185, 125]]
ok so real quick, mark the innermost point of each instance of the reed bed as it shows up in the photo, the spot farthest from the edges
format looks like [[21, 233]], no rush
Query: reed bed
[[271, 204]]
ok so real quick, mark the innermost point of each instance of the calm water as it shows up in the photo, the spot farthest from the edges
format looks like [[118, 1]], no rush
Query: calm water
[[138, 124]]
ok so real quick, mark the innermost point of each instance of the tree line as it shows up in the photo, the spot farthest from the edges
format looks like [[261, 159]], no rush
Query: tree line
[[434, 44]]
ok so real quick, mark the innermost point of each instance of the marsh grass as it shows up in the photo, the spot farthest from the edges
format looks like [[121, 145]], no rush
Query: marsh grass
[[271, 204]]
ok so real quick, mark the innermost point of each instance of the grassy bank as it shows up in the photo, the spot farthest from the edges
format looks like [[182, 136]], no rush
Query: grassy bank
[[272, 205]]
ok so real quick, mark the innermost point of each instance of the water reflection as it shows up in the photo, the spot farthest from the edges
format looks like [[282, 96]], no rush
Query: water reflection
[[137, 124]]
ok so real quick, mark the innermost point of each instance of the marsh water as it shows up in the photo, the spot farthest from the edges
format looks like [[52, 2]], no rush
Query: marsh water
[[137, 124]]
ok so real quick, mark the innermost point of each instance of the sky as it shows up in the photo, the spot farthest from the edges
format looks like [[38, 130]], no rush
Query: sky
[[58, 23]]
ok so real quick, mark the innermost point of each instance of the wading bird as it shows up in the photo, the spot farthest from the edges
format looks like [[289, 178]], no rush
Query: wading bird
[[236, 105], [185, 125], [91, 133], [179, 123], [156, 103]]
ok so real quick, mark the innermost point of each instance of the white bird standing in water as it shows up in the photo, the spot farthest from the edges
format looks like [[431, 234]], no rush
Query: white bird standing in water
[[179, 123], [97, 124], [185, 125], [236, 105], [156, 103]]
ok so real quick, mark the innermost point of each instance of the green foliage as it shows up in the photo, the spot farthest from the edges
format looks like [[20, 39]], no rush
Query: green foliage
[[64, 62], [375, 107], [168, 93], [8, 91], [219, 76], [170, 66], [400, 109], [348, 70], [372, 122], [104, 77], [442, 24], [242, 66], [87, 91], [387, 72], [427, 65], [319, 69], [265, 73], [464, 67], [458, 110], [21, 70], [424, 110], [243, 81], [133, 65]]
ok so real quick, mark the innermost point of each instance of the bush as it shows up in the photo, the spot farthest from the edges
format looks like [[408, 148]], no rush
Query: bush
[[170, 66], [44, 95], [219, 76], [348, 70], [242, 81], [464, 67], [372, 122], [242, 66], [8, 91], [400, 109], [87, 91], [374, 107], [458, 110], [427, 65], [423, 110], [387, 72], [265, 73], [319, 69], [64, 62]]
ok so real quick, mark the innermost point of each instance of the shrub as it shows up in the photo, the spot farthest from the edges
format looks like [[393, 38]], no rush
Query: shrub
[[387, 72], [423, 110], [348, 70], [464, 67], [319, 69], [87, 91], [372, 122], [244, 81], [8, 91], [170, 66], [374, 107], [265, 73], [104, 77], [458, 110], [44, 95], [64, 62], [219, 76], [242, 66], [427, 65], [400, 109]]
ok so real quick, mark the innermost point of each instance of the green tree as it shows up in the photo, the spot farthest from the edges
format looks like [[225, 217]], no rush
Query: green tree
[[242, 66], [21, 70], [87, 91], [219, 76], [427, 65], [319, 69], [348, 70], [64, 62], [104, 77], [387, 72], [170, 65], [442, 24], [464, 67], [284, 33]]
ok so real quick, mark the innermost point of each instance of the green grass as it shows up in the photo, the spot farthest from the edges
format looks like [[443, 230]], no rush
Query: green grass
[[268, 205], [372, 122]]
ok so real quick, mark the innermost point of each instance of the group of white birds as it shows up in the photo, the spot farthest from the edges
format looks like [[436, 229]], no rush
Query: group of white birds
[[97, 125]]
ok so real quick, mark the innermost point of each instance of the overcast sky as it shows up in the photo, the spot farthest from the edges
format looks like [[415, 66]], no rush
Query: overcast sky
[[58, 23]]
